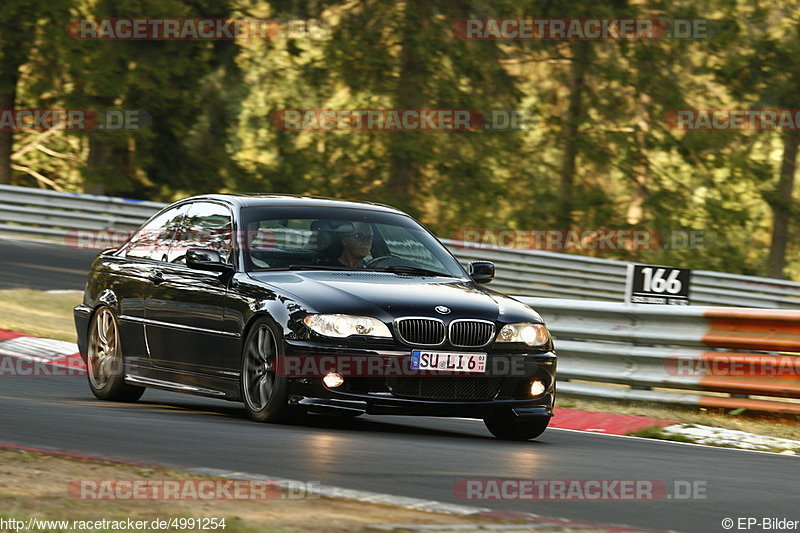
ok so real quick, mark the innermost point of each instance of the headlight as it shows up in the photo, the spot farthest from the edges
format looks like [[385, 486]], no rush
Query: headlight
[[346, 325], [530, 334]]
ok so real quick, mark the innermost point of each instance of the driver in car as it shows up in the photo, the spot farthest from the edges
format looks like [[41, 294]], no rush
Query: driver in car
[[356, 246]]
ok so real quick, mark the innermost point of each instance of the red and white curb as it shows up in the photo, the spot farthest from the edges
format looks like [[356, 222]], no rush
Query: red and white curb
[[607, 423], [41, 352]]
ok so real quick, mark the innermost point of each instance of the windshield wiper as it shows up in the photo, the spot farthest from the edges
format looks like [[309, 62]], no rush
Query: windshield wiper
[[321, 267], [307, 267], [403, 269]]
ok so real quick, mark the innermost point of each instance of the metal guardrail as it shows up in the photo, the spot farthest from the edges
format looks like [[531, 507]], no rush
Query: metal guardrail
[[558, 275], [45, 213], [707, 356], [606, 349]]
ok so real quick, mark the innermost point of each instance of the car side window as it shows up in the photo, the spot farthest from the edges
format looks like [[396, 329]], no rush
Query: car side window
[[206, 225], [153, 240]]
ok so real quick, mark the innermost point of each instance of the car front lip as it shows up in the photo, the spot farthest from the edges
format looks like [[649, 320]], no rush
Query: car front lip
[[389, 405]]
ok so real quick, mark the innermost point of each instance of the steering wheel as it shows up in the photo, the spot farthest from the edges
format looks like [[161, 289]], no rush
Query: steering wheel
[[385, 261]]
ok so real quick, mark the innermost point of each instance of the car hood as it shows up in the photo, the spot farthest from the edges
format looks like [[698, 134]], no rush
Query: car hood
[[387, 296]]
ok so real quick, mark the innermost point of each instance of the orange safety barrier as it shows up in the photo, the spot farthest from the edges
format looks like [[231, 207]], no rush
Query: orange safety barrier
[[754, 373], [753, 329]]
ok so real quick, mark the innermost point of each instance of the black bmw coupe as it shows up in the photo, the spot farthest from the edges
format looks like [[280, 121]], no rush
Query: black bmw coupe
[[294, 304]]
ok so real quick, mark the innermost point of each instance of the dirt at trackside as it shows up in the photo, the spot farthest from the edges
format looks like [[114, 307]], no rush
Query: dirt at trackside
[[36, 485]]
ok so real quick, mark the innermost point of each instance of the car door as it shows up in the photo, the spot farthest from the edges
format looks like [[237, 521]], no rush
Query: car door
[[185, 311], [131, 272]]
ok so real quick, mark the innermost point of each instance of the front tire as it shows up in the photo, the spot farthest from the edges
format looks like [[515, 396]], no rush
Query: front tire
[[105, 364], [507, 428], [264, 392]]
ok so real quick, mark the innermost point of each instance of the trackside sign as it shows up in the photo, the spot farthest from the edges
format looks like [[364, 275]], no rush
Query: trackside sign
[[660, 285]]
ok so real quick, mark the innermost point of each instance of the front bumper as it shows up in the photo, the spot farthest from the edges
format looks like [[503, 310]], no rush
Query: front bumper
[[373, 394]]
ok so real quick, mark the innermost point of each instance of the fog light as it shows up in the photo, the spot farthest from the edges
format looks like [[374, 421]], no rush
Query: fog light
[[332, 380], [537, 388]]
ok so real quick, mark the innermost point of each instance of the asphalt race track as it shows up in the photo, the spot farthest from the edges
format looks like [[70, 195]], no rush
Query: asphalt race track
[[417, 457], [42, 265]]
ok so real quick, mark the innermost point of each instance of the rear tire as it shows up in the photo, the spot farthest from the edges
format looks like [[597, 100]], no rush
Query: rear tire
[[507, 428], [264, 392], [105, 363]]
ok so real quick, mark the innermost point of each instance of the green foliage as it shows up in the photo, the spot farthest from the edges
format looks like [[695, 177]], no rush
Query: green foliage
[[212, 105]]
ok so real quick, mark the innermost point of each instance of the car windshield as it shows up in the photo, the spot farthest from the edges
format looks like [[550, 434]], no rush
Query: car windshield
[[292, 238]]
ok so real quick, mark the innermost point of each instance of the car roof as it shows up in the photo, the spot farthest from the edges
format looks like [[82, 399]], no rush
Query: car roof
[[286, 200]]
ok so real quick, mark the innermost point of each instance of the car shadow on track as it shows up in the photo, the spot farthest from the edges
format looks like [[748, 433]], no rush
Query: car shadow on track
[[418, 426]]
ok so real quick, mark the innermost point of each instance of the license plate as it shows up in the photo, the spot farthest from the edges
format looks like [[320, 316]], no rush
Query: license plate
[[448, 361]]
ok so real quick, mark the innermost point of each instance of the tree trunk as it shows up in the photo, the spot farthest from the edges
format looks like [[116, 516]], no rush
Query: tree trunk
[[782, 206], [641, 165], [16, 38], [9, 75], [409, 94], [98, 164], [578, 66]]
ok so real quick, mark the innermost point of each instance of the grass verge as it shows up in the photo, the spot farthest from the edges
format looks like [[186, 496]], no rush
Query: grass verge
[[39, 313], [35, 485]]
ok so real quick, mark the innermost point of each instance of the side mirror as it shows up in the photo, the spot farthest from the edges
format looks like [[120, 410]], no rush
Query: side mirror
[[206, 259], [481, 271]]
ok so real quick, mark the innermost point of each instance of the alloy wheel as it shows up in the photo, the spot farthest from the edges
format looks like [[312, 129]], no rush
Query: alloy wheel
[[259, 368], [103, 352]]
